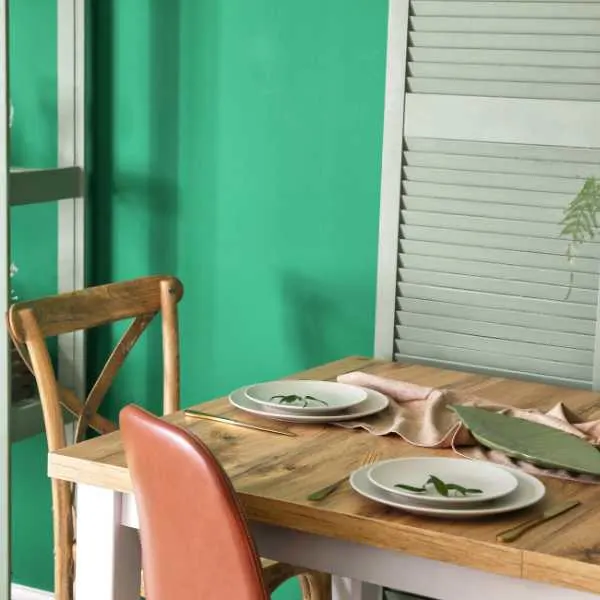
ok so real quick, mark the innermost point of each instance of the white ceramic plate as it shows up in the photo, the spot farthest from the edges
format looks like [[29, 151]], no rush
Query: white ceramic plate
[[318, 397], [529, 491], [374, 403], [493, 481]]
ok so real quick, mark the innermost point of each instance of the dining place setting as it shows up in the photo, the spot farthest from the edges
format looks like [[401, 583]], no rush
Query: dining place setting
[[497, 453], [303, 402]]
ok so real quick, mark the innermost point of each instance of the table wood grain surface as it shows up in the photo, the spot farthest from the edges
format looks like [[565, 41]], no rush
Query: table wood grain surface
[[274, 474]]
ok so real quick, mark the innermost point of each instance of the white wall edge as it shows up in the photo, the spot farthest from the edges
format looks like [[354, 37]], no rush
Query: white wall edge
[[22, 592], [71, 149]]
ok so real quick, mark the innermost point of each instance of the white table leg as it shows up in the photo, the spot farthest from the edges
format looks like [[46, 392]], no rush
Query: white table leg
[[344, 588], [108, 554]]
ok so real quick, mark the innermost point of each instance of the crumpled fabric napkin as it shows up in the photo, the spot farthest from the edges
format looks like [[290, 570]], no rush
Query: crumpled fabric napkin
[[420, 416]]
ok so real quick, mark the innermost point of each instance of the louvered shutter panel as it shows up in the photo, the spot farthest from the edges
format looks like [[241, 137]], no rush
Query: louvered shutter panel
[[501, 127]]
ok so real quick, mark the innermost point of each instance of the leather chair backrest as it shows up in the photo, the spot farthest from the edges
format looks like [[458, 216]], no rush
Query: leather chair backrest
[[195, 539]]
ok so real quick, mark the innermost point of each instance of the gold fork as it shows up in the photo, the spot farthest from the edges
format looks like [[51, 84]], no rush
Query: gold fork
[[369, 458]]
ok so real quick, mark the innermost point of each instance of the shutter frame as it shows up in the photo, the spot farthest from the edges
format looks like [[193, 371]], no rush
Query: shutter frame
[[391, 175], [471, 191]]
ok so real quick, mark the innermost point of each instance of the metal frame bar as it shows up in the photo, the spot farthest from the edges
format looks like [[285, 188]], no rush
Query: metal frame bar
[[4, 293], [32, 186], [71, 153], [391, 175]]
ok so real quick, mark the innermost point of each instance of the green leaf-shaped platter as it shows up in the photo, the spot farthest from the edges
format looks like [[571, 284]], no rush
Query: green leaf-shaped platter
[[538, 444]]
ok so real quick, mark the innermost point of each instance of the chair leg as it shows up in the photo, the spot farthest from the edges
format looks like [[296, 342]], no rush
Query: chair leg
[[315, 586], [275, 573]]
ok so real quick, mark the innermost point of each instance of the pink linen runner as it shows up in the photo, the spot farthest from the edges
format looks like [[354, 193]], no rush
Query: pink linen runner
[[420, 415]]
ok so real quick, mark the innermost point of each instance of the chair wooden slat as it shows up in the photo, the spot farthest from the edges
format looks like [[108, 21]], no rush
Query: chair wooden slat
[[109, 372], [72, 404], [68, 399], [169, 297], [62, 499], [95, 306]]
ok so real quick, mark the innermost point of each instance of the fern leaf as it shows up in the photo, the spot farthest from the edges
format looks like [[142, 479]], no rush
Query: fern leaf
[[580, 221]]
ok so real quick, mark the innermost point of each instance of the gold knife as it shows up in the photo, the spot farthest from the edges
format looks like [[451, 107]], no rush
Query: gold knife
[[510, 535], [196, 414]]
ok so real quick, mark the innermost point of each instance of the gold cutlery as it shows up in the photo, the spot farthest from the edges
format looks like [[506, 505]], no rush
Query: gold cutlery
[[370, 458], [510, 535], [197, 414]]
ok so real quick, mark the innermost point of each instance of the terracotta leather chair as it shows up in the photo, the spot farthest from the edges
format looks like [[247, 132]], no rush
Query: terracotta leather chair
[[195, 539]]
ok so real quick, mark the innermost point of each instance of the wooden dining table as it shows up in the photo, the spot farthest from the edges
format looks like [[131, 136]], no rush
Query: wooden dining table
[[365, 545]]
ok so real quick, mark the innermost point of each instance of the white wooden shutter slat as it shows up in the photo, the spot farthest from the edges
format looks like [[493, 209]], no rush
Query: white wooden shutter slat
[[522, 228], [549, 323], [482, 342], [530, 1], [425, 85], [489, 362], [499, 271], [533, 25], [483, 194], [461, 56], [496, 179], [537, 9], [461, 162], [483, 209], [468, 298], [496, 330], [505, 41], [476, 239], [496, 256], [485, 72], [554, 155], [505, 288]]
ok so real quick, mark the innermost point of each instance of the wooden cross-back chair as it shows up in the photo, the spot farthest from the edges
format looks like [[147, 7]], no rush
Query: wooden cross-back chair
[[30, 323]]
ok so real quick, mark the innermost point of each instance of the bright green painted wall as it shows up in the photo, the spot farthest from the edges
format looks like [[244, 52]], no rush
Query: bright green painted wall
[[238, 147]]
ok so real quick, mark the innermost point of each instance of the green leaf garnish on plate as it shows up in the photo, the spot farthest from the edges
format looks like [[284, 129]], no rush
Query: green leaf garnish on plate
[[459, 489], [411, 488], [296, 399], [441, 487]]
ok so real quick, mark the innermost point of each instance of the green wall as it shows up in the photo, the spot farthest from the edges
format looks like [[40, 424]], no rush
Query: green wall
[[237, 145], [33, 249]]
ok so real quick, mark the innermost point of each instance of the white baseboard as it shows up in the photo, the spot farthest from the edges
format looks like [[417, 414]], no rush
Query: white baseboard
[[22, 592]]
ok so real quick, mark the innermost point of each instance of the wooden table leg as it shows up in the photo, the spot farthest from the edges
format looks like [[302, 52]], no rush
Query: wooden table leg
[[344, 588], [108, 554]]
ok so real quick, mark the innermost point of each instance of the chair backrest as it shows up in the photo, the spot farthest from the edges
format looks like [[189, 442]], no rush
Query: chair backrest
[[195, 540], [30, 323]]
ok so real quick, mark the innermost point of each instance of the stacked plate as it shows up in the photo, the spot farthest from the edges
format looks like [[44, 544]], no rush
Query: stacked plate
[[308, 401], [447, 487]]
